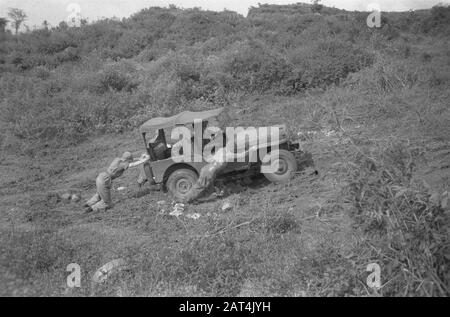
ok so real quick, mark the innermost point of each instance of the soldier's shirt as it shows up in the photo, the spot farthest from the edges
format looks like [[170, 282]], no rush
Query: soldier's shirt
[[117, 167]]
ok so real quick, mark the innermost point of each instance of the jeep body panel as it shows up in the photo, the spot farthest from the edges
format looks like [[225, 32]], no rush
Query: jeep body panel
[[160, 169]]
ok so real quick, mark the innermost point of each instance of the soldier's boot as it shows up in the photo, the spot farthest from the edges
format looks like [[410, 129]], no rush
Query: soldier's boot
[[91, 202], [101, 206]]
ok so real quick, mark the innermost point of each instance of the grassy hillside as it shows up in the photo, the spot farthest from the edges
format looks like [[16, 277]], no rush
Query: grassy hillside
[[110, 75], [370, 105]]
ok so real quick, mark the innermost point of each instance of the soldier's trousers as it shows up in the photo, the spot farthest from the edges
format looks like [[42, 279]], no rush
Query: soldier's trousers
[[102, 199]]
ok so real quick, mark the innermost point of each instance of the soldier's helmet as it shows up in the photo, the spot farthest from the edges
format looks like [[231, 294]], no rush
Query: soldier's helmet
[[127, 157]]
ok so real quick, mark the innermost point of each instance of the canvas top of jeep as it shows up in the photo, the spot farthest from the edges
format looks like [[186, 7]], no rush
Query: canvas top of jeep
[[152, 126]]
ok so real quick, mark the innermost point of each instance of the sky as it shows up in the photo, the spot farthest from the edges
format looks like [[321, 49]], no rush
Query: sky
[[55, 11]]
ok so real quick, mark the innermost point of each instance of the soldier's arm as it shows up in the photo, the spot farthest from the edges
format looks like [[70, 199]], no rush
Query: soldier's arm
[[144, 158]]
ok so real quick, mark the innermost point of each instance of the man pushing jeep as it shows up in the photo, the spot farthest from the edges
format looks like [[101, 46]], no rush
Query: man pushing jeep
[[102, 201]]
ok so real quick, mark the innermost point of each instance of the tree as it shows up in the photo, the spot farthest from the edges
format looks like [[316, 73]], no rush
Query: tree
[[3, 23], [17, 16]]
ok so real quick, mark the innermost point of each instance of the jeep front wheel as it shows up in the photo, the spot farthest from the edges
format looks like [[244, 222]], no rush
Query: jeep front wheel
[[180, 183], [278, 166]]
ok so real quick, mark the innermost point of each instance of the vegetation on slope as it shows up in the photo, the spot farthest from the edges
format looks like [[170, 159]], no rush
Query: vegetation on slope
[[67, 82]]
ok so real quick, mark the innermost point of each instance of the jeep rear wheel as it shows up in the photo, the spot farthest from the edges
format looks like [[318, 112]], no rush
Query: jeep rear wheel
[[180, 183], [284, 165]]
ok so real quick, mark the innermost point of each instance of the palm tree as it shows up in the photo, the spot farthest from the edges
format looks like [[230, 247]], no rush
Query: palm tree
[[18, 16]]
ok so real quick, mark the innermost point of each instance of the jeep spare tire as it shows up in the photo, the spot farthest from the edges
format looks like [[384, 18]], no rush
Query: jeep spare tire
[[279, 166], [180, 183]]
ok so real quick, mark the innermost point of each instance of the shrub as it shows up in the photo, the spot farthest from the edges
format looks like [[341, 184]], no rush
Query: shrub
[[19, 61], [403, 223], [198, 26], [54, 43], [130, 44], [438, 21], [70, 54], [109, 79], [327, 63], [254, 67], [151, 54], [387, 76], [112, 79]]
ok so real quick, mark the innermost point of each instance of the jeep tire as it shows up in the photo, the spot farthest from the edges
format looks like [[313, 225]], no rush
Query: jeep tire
[[287, 166], [180, 182]]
